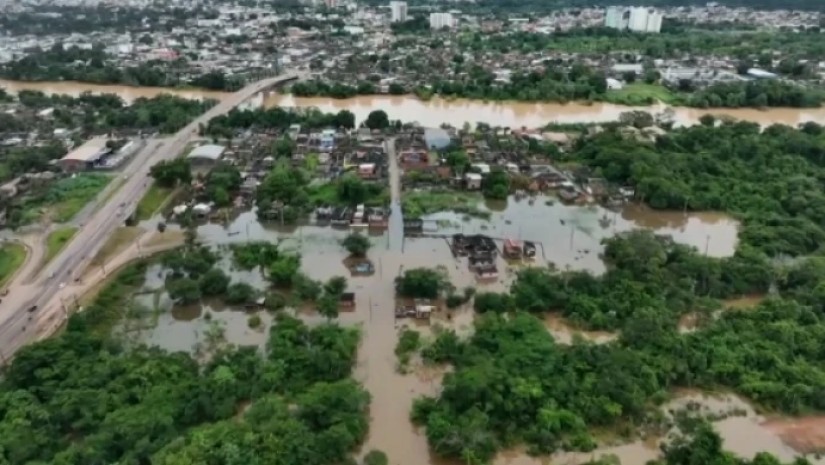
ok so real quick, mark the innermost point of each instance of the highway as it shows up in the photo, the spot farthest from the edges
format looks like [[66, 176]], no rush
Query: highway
[[18, 325]]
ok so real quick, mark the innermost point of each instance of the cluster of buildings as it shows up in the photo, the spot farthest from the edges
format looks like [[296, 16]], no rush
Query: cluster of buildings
[[636, 19]]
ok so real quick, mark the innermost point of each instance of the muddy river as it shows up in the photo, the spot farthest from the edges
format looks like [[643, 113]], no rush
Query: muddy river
[[437, 110]]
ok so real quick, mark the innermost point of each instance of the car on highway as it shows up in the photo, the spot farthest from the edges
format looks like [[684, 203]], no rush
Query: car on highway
[[32, 309]]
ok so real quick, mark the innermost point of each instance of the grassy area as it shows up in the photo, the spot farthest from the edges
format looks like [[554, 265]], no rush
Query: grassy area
[[153, 201], [12, 256], [118, 242], [65, 198], [416, 204], [327, 194], [56, 240], [641, 94]]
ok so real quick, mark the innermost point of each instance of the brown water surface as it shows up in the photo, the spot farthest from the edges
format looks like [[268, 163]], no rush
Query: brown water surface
[[439, 110], [520, 114]]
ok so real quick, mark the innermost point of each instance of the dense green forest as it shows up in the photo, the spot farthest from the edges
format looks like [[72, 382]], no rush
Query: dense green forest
[[512, 383], [770, 179], [81, 398]]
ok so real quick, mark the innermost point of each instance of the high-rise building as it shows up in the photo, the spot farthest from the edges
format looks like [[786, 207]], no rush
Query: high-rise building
[[613, 18], [399, 11], [441, 20], [637, 19], [654, 21]]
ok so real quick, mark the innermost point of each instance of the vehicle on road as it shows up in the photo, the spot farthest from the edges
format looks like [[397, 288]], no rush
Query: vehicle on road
[[62, 285], [32, 309]]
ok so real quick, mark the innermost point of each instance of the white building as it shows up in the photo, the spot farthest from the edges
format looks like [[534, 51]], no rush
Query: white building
[[636, 19], [616, 17], [654, 21], [399, 11], [441, 20]]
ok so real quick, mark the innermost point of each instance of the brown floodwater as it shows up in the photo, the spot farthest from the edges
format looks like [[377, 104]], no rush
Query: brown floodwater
[[439, 110], [393, 392], [569, 236], [520, 114]]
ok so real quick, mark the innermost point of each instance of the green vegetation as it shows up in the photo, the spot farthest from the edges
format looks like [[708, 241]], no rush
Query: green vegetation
[[409, 342], [170, 173], [356, 244], [348, 190], [254, 321], [638, 94], [56, 240], [276, 118], [60, 63], [106, 112], [12, 256], [61, 201], [74, 397], [376, 457], [512, 383], [152, 201], [768, 179], [424, 283], [420, 203]]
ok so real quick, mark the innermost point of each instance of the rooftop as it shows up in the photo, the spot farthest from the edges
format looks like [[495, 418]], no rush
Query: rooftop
[[207, 152], [89, 151]]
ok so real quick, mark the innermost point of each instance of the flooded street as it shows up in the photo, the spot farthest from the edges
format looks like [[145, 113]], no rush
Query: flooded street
[[393, 392]]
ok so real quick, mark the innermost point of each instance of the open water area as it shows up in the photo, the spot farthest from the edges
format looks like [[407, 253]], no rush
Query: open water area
[[569, 237]]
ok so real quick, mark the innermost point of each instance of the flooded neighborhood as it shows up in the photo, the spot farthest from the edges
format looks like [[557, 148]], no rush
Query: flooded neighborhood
[[415, 213]]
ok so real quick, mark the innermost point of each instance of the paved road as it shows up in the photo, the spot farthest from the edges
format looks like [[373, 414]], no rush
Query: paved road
[[16, 322], [396, 226]]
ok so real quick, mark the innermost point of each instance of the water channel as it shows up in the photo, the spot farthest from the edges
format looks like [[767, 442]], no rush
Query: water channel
[[570, 237]]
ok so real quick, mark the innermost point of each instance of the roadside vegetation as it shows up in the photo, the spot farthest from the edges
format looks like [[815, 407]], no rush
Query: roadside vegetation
[[59, 202], [12, 257], [152, 201], [56, 240]]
